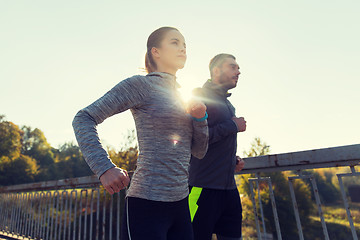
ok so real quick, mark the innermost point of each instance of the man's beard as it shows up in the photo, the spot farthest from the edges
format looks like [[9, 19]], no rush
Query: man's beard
[[225, 82]]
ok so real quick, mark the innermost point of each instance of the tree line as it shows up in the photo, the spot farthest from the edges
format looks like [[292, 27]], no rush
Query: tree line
[[26, 156]]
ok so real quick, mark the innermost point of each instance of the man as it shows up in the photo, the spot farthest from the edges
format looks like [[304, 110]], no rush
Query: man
[[214, 200]]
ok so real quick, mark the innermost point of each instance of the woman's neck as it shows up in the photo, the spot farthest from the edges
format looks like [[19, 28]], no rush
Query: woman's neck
[[166, 70]]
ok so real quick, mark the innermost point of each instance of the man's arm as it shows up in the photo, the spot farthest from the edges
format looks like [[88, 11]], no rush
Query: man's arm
[[226, 128], [222, 130]]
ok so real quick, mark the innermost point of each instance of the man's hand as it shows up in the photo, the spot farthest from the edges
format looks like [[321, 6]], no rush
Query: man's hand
[[239, 164], [240, 123], [196, 108], [115, 179]]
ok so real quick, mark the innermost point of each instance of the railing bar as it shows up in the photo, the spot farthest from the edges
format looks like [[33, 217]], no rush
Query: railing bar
[[97, 213], [23, 227], [16, 214], [52, 215], [255, 210], [111, 215], [43, 229], [48, 226], [260, 204], [3, 212], [347, 207], [32, 211], [75, 213], [273, 204], [318, 203], [28, 215], [2, 207], [60, 212], [297, 217], [118, 216], [12, 216], [9, 214], [349, 174], [36, 222], [70, 215], [56, 213], [86, 213], [104, 217], [38, 233], [66, 196], [80, 210], [91, 213]]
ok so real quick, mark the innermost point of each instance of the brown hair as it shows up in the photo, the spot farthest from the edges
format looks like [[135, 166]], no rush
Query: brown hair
[[154, 40], [218, 60]]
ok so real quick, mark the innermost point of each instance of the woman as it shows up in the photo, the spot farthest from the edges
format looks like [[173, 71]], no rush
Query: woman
[[168, 133]]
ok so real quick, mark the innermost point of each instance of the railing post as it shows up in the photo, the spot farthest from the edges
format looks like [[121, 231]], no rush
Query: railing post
[[346, 204], [296, 210]]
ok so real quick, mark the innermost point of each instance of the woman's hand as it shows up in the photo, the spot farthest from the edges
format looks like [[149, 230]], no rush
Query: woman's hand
[[115, 179], [196, 108]]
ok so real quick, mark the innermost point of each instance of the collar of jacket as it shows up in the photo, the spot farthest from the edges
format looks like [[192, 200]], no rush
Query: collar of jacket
[[171, 79], [216, 88]]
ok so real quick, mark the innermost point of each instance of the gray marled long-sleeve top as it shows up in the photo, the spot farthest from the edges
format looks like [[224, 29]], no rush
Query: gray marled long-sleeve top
[[167, 135]]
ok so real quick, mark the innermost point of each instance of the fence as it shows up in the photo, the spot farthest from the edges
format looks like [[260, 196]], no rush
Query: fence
[[68, 209], [79, 208]]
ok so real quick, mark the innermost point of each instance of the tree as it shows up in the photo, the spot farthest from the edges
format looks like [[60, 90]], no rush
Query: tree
[[34, 144], [70, 162], [10, 138], [15, 167], [20, 170]]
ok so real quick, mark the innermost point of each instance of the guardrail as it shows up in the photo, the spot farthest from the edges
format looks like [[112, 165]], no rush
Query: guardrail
[[76, 208], [79, 208]]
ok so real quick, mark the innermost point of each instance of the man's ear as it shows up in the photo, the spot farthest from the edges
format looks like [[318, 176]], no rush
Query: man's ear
[[216, 72], [155, 52]]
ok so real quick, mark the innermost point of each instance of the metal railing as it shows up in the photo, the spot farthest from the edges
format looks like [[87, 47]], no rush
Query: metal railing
[[297, 162], [69, 209], [79, 208]]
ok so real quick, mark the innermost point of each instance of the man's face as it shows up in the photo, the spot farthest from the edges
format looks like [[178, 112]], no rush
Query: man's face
[[228, 73]]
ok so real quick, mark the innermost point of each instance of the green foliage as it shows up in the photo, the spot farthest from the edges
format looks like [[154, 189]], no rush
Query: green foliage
[[70, 162], [26, 156], [34, 144], [258, 148], [10, 138], [22, 169]]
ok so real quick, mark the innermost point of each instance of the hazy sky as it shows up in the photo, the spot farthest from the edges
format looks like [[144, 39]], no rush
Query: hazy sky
[[299, 87]]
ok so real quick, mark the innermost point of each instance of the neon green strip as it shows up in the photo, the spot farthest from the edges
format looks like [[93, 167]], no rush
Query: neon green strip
[[193, 198]]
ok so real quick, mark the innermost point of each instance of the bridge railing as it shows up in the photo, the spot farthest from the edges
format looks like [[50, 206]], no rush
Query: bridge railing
[[76, 208], [298, 162], [79, 208]]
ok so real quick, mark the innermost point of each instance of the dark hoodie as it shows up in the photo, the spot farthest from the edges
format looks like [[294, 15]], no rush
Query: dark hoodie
[[216, 169]]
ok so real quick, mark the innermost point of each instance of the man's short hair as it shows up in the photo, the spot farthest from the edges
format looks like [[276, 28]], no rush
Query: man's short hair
[[218, 60]]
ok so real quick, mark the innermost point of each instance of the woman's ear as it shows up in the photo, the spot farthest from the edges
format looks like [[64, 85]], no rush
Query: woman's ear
[[155, 52]]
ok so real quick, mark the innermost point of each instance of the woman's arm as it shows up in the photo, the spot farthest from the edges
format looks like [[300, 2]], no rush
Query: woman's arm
[[125, 95], [200, 138]]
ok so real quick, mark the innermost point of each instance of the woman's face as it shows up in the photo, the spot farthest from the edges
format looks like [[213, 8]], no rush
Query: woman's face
[[171, 53]]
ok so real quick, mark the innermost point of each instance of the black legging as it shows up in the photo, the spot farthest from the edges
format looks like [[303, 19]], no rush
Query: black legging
[[154, 220]]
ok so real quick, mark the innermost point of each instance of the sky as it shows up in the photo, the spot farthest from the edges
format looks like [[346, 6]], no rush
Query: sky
[[299, 62]]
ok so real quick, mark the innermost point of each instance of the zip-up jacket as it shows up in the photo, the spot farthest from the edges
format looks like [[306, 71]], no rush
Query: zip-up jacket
[[216, 169], [167, 135]]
